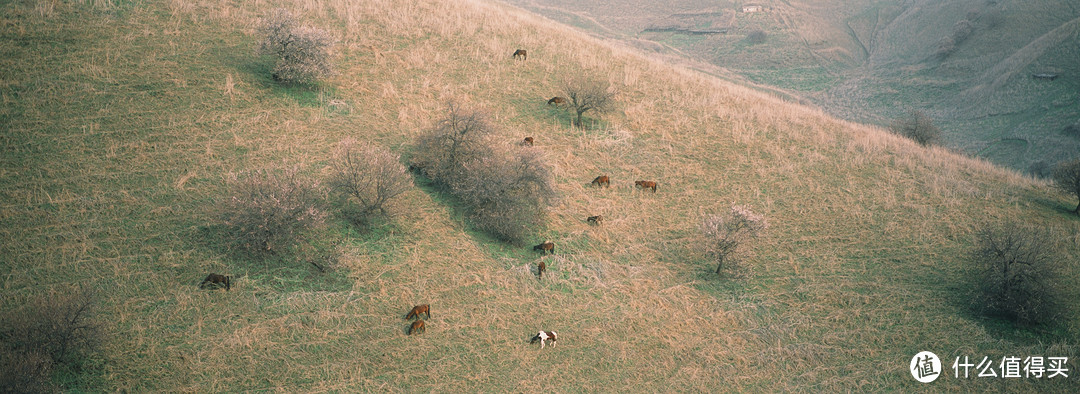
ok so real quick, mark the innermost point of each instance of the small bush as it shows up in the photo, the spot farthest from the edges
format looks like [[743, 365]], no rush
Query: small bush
[[48, 334], [725, 233], [918, 127], [369, 175], [589, 94], [504, 189], [268, 211], [302, 53], [757, 36], [1067, 178], [1039, 169], [1015, 274]]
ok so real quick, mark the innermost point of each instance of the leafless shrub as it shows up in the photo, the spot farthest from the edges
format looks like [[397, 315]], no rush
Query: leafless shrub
[[918, 127], [589, 94], [1016, 272], [268, 211], [1066, 177], [506, 193], [456, 139], [505, 190], [302, 52], [725, 233], [757, 36], [369, 175], [48, 334]]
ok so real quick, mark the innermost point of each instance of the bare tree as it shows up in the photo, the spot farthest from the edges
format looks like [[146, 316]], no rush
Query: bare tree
[[302, 52], [725, 233], [1067, 178], [918, 127], [48, 334], [455, 139], [1016, 272], [589, 94], [504, 190], [369, 174]]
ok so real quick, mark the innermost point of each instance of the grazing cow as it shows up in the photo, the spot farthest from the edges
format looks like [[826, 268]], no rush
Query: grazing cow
[[417, 326], [216, 280], [602, 181], [528, 141], [545, 247], [540, 268], [417, 310], [646, 185], [543, 336], [523, 54], [557, 100], [595, 220]]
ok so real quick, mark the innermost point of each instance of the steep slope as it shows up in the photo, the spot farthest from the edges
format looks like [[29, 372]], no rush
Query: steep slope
[[121, 122]]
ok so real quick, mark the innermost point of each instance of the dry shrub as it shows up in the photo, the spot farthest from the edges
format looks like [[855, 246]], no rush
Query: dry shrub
[[368, 175], [1066, 177], [46, 335], [725, 233], [506, 193], [1016, 274], [757, 36], [456, 139], [589, 93], [302, 53], [918, 127], [504, 190], [268, 211]]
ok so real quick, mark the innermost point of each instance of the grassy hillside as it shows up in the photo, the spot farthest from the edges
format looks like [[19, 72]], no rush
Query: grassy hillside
[[870, 61], [121, 122]]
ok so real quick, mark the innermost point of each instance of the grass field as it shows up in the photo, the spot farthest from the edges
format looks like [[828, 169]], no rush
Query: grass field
[[122, 120]]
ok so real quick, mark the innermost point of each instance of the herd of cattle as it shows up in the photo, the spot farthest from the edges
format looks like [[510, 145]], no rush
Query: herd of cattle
[[546, 247]]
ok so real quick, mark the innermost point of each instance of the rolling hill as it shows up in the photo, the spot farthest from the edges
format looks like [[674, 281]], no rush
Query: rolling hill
[[122, 121], [870, 61]]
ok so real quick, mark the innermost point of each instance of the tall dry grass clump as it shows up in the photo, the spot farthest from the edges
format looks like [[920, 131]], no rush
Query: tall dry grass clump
[[1017, 274], [369, 176], [302, 53], [504, 189], [267, 211], [47, 335], [726, 233]]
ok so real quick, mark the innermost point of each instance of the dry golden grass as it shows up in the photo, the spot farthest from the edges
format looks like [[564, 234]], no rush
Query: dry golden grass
[[116, 146]]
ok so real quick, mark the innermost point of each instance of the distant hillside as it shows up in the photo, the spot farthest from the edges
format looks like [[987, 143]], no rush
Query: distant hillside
[[122, 123], [869, 61]]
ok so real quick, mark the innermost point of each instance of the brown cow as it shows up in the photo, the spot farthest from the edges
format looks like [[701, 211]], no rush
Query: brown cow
[[557, 100], [595, 220], [528, 141], [646, 185], [540, 268], [523, 54], [216, 280], [545, 247], [417, 326], [602, 181], [417, 310]]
